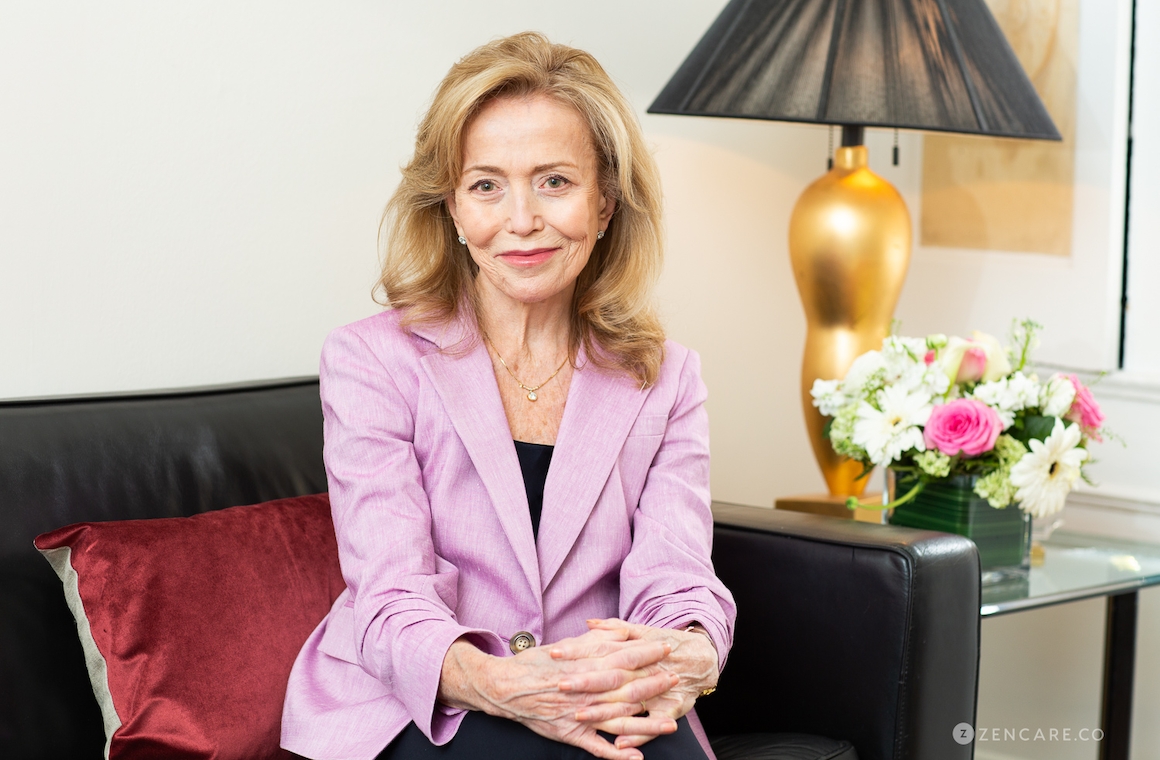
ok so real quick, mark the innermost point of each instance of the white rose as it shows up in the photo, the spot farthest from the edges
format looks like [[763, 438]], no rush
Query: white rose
[[1056, 396], [998, 365]]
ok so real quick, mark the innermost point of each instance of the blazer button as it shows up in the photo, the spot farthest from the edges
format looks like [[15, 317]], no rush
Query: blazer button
[[521, 641]]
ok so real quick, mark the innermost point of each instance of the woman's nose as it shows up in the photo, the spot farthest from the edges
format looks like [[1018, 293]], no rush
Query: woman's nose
[[524, 212]]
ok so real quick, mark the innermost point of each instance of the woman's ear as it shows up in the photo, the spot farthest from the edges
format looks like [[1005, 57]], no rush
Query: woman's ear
[[607, 209], [450, 201], [451, 209]]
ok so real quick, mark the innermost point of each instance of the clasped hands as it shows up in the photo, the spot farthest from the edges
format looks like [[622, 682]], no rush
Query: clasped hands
[[602, 680]]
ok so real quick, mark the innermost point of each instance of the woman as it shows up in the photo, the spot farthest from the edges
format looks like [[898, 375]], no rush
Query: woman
[[574, 613]]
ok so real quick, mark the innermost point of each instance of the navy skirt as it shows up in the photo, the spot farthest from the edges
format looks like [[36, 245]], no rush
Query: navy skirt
[[486, 737]]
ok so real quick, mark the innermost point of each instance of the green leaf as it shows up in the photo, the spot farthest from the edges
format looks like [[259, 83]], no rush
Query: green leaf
[[826, 429], [1034, 427]]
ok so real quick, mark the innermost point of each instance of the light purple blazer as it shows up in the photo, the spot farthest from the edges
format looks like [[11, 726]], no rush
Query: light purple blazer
[[435, 537]]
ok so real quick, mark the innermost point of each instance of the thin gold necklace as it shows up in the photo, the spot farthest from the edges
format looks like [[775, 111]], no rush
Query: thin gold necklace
[[531, 391]]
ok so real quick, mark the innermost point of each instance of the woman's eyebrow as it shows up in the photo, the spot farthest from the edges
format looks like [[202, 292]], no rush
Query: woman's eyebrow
[[484, 169], [556, 165], [535, 170]]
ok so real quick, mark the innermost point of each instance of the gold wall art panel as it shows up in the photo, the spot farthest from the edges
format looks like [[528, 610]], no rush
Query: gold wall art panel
[[1007, 194]]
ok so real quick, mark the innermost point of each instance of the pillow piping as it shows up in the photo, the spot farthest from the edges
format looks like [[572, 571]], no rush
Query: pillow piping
[[61, 561]]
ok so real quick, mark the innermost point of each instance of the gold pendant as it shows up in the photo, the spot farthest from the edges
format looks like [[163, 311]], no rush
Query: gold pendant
[[532, 396]]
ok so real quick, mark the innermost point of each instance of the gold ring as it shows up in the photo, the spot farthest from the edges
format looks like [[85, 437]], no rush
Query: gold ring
[[643, 707]]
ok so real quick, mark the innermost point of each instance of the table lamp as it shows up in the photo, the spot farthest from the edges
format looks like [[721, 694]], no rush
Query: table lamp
[[941, 65]]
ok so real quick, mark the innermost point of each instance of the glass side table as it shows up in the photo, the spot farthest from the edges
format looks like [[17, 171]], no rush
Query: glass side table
[[1077, 566]]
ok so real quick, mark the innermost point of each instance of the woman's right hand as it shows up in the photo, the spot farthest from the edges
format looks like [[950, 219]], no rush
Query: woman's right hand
[[533, 687]]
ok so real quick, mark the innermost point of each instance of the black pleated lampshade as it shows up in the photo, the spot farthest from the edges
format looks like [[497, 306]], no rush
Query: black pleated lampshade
[[941, 65]]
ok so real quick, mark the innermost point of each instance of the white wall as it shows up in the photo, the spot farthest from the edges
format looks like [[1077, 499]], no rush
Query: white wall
[[189, 194], [1076, 298]]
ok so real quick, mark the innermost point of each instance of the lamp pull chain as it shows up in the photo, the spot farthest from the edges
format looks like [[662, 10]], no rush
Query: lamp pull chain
[[896, 146], [830, 150]]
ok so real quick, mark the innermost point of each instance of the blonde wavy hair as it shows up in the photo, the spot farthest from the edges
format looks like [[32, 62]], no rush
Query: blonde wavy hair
[[428, 275]]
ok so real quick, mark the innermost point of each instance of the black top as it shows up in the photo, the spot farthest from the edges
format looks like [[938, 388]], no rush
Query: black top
[[534, 461]]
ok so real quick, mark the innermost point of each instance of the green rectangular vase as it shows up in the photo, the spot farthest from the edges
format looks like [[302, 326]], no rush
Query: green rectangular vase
[[1003, 536]]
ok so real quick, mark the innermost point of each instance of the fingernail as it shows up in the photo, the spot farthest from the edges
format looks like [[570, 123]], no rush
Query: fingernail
[[667, 647], [565, 686], [674, 679], [581, 716], [621, 743]]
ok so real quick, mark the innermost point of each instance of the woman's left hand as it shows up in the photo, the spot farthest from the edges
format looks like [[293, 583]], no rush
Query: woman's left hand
[[693, 659]]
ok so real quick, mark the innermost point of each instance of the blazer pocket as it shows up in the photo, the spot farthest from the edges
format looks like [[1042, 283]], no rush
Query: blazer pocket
[[338, 638], [649, 424]]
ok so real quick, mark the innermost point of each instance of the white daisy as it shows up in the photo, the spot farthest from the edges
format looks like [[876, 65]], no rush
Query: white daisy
[[1047, 473], [1056, 397], [886, 433]]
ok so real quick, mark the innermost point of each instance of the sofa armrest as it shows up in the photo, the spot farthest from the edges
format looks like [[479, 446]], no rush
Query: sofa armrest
[[855, 631]]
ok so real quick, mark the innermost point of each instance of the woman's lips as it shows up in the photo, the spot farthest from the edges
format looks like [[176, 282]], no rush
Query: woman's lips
[[528, 258]]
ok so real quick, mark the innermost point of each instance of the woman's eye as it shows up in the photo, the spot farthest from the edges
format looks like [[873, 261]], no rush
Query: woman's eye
[[485, 186], [556, 183]]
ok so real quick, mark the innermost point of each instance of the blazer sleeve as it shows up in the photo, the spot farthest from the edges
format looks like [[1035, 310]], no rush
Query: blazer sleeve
[[404, 594], [667, 579]]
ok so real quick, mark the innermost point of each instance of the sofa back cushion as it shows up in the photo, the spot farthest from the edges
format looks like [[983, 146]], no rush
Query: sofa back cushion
[[190, 625], [71, 460]]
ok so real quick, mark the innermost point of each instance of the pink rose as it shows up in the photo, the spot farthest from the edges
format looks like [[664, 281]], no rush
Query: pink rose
[[969, 361], [1085, 410], [964, 425], [973, 366]]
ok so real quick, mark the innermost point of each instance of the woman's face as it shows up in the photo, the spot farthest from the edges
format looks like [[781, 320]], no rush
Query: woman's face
[[528, 201]]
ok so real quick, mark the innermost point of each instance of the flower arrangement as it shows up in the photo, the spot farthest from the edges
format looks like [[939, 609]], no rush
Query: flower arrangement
[[938, 407]]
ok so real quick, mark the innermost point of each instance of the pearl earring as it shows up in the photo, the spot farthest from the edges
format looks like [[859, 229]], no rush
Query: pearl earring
[[600, 235], [462, 240]]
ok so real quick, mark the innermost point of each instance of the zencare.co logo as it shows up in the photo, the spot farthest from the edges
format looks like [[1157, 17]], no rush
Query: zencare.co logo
[[965, 733]]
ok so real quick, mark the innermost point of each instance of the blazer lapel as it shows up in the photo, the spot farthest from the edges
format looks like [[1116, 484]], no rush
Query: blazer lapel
[[600, 411], [466, 385]]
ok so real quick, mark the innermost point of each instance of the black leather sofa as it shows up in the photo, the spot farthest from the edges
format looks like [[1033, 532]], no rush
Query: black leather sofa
[[862, 633]]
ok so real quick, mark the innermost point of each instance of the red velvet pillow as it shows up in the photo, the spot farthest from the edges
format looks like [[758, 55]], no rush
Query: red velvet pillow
[[190, 625]]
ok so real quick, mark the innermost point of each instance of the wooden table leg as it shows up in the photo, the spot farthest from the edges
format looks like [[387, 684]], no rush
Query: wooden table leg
[[1119, 670]]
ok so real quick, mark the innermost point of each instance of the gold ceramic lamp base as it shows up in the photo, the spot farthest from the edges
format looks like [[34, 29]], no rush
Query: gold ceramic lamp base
[[849, 243]]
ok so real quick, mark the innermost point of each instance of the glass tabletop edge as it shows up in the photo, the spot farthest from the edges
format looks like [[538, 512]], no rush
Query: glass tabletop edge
[[994, 609]]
